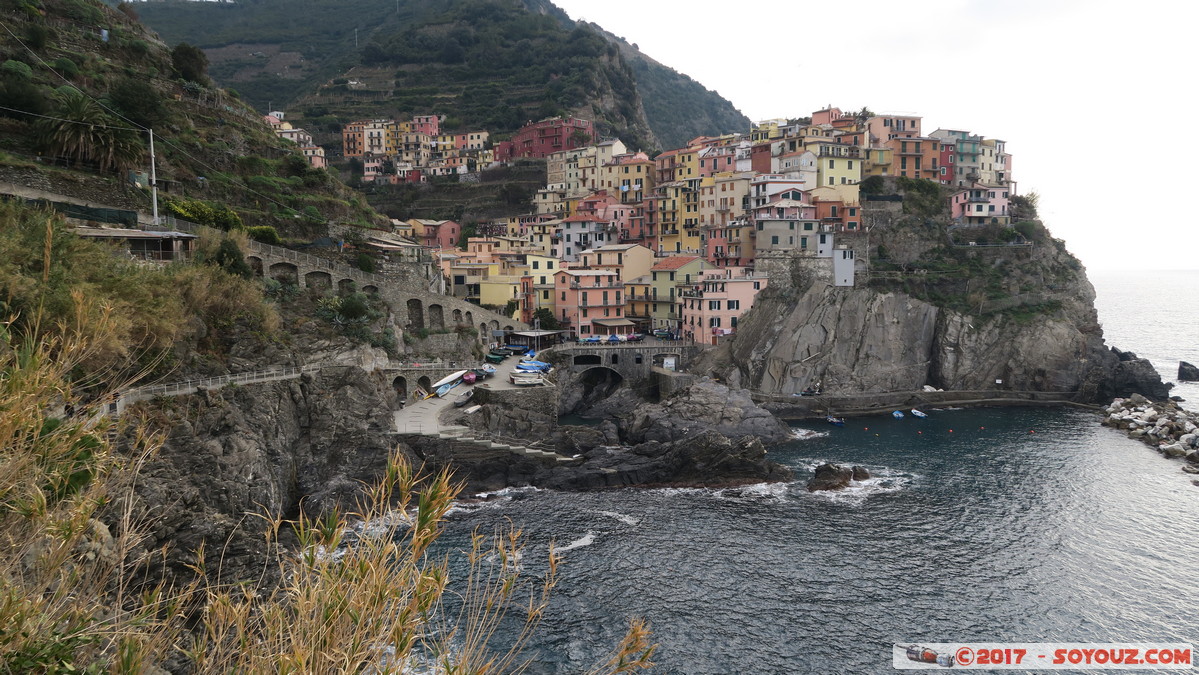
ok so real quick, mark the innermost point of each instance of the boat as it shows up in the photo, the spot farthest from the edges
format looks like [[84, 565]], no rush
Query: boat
[[529, 365], [524, 379], [463, 398], [482, 372], [452, 377], [445, 389], [835, 421], [470, 377], [917, 413], [897, 414], [493, 357]]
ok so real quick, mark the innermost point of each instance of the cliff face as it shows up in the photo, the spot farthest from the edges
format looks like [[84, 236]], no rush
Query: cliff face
[[233, 454], [930, 311]]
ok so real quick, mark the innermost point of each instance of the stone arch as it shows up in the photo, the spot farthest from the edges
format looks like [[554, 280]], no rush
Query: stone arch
[[416, 314], [614, 358], [424, 383], [436, 317], [457, 317], [318, 280], [598, 383], [400, 384], [509, 328], [285, 273], [346, 286], [470, 318], [484, 333], [495, 325], [588, 360], [370, 289], [255, 264]]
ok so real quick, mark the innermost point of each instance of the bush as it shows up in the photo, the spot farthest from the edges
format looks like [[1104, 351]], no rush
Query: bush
[[66, 67], [16, 70], [265, 234], [366, 263]]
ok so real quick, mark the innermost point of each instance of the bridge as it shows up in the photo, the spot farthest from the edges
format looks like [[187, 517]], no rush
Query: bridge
[[630, 361]]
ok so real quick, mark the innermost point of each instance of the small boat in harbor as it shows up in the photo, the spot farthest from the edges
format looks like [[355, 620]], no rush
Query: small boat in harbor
[[445, 389], [835, 421], [898, 414], [470, 377], [452, 377], [524, 379], [917, 413], [463, 398]]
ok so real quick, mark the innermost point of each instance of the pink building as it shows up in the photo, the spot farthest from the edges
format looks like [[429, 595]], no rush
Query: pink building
[[981, 205], [591, 302], [427, 124], [713, 305], [539, 139], [437, 234]]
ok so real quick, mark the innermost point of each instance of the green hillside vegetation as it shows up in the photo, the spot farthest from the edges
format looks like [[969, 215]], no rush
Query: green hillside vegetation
[[77, 100], [492, 64]]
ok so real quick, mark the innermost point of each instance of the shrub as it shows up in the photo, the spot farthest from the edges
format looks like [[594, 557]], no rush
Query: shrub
[[265, 234], [365, 262], [16, 69], [66, 67]]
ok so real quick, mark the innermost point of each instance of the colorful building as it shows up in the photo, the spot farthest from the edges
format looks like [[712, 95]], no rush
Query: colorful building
[[540, 139], [590, 302], [713, 305]]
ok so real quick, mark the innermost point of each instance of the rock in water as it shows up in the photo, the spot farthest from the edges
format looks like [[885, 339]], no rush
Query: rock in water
[[832, 477], [860, 473], [1187, 372]]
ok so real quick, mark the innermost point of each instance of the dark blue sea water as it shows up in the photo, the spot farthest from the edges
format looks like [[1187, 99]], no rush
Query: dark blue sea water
[[994, 524]]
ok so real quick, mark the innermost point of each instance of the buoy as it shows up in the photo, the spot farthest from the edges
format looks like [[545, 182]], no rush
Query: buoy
[[876, 434], [981, 428], [919, 432], [951, 431], [1032, 431]]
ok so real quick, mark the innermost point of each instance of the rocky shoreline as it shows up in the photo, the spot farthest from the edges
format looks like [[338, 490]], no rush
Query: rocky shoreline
[[1164, 426]]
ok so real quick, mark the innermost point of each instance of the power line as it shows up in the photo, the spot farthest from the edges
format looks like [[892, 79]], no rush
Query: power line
[[63, 119], [226, 177]]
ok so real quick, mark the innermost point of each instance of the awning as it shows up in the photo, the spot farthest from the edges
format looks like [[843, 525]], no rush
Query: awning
[[612, 323], [537, 333]]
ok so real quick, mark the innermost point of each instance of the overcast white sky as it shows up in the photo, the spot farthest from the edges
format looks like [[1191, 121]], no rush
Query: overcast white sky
[[1087, 93]]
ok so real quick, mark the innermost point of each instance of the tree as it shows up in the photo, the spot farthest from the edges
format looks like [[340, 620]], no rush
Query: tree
[[82, 132], [190, 63], [546, 319], [138, 101]]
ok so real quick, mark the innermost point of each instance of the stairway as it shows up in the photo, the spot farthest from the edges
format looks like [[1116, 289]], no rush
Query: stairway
[[468, 435]]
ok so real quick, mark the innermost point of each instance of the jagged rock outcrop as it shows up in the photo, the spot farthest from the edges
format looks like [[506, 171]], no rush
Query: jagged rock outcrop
[[805, 332], [1187, 372], [836, 477], [704, 406], [1174, 432], [706, 459], [260, 449]]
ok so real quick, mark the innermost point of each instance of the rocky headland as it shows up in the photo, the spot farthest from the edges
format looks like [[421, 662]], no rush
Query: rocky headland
[[1169, 429]]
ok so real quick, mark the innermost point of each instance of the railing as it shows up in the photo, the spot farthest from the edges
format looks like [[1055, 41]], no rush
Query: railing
[[188, 386]]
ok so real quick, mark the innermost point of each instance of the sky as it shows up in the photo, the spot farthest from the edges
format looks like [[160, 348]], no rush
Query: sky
[[1074, 87]]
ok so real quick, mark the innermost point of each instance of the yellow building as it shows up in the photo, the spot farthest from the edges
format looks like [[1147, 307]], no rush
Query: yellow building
[[877, 161], [767, 130], [497, 291], [628, 261], [661, 290]]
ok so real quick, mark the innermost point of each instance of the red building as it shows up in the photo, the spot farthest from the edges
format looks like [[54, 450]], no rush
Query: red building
[[538, 139]]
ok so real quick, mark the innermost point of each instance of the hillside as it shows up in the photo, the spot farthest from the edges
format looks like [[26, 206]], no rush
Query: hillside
[[491, 64], [100, 81]]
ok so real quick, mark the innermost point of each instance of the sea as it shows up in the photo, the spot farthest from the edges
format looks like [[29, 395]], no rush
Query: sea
[[1008, 525]]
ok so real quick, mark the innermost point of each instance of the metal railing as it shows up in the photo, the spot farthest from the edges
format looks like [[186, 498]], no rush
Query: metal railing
[[189, 386]]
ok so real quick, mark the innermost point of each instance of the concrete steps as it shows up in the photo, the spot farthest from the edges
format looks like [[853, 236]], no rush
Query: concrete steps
[[467, 435]]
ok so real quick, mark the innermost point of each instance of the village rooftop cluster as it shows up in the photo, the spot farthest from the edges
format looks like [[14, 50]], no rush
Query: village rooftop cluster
[[682, 242]]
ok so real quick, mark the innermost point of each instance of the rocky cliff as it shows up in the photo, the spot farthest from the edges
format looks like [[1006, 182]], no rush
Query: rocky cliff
[[930, 308]]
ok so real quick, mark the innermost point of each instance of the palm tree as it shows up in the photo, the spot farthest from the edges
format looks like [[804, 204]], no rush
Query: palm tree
[[82, 131]]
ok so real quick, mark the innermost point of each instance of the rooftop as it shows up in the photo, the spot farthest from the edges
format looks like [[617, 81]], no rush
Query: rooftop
[[674, 262]]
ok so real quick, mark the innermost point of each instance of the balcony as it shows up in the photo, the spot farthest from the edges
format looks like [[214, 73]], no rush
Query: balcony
[[598, 284]]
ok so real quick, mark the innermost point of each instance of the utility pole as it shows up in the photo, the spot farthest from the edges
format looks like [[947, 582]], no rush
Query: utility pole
[[153, 178]]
